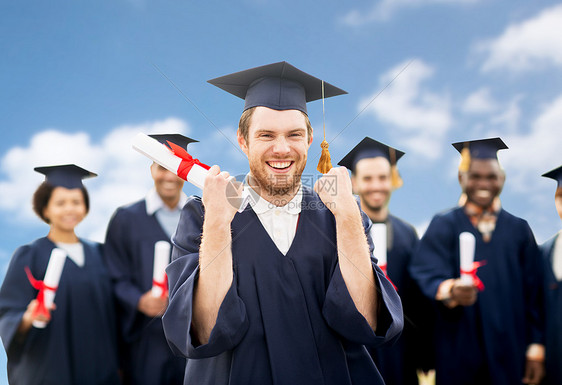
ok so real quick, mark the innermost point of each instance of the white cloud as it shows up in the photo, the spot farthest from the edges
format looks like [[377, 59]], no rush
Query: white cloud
[[123, 173], [509, 117], [529, 45], [480, 102], [419, 117], [384, 9], [534, 152]]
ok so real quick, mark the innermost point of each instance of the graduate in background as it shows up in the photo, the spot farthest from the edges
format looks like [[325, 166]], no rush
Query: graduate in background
[[78, 344], [552, 257], [265, 296], [131, 235], [490, 331], [374, 177]]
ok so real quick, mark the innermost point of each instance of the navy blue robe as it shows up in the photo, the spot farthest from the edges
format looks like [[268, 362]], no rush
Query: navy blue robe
[[486, 342], [553, 300], [399, 363], [286, 319], [129, 247], [78, 345]]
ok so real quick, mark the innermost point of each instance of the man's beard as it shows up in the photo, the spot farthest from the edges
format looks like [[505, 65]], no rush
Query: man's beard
[[276, 185], [375, 208]]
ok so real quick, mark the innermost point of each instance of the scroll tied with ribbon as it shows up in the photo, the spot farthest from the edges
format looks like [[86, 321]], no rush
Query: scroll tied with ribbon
[[48, 286], [161, 261], [177, 160]]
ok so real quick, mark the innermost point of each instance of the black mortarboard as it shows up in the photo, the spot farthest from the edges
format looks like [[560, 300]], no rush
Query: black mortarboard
[[279, 86], [482, 148], [67, 175], [370, 148], [555, 174], [478, 149], [177, 139]]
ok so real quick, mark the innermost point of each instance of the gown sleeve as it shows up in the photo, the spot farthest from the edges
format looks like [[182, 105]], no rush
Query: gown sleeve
[[15, 295], [534, 287], [232, 322], [118, 260], [432, 261], [340, 312]]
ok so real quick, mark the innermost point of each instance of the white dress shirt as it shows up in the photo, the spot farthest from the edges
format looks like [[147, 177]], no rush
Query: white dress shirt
[[279, 222], [557, 257], [74, 251], [168, 218]]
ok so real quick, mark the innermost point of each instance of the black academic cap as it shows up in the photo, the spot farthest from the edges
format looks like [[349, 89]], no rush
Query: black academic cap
[[370, 148], [177, 139], [482, 148], [555, 174], [67, 175], [279, 86]]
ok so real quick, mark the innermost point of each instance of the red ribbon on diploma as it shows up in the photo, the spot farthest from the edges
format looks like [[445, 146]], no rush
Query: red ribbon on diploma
[[162, 285], [39, 285], [383, 268], [187, 160], [472, 272]]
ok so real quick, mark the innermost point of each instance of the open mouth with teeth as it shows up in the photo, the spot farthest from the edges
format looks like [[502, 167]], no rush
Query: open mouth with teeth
[[483, 194], [280, 165]]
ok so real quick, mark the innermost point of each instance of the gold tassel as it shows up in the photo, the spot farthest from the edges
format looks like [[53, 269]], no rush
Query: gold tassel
[[325, 162], [465, 159], [395, 178]]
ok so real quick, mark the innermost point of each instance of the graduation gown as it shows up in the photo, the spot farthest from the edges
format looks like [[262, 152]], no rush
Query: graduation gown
[[78, 345], [486, 342], [286, 319], [398, 363], [553, 299], [129, 247]]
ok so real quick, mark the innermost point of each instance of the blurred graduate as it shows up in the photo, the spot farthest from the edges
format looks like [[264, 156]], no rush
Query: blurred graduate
[[130, 242], [73, 341], [286, 291], [552, 257], [489, 330], [374, 177]]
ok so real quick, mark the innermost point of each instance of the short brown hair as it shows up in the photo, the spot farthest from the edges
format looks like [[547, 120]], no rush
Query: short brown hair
[[246, 118], [42, 196]]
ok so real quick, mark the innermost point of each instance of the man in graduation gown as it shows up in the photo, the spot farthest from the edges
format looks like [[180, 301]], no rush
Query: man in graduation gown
[[552, 258], [490, 332], [374, 177], [129, 246], [286, 291]]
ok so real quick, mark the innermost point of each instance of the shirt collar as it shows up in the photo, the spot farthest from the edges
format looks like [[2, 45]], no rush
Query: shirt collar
[[261, 206], [155, 203], [474, 210]]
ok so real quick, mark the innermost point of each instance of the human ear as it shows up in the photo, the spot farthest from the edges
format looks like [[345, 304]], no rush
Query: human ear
[[242, 142]]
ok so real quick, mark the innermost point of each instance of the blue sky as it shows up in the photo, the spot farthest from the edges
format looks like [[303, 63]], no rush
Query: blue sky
[[79, 80]]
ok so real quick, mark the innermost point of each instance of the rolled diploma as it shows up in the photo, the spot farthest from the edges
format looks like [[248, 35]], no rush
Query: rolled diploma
[[161, 260], [378, 234], [52, 278], [153, 149], [467, 244]]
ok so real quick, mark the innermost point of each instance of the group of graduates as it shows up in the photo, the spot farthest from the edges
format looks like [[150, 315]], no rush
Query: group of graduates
[[290, 289], [105, 327]]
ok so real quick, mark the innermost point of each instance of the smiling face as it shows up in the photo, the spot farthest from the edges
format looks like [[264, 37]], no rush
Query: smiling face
[[371, 181], [276, 146], [167, 184], [66, 209], [483, 181]]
